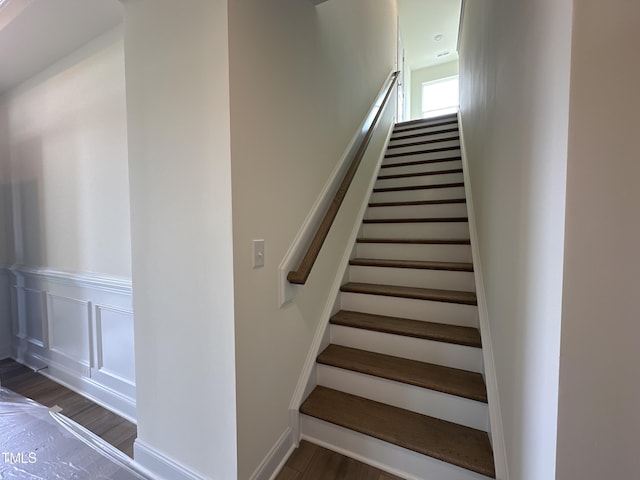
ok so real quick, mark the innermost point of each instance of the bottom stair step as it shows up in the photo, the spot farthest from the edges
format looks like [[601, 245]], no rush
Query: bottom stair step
[[462, 446]]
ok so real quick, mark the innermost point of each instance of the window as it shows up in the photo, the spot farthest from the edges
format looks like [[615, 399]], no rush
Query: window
[[440, 97]]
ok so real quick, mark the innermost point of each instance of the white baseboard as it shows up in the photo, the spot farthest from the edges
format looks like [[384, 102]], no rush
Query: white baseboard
[[276, 458], [109, 399], [495, 415], [159, 466]]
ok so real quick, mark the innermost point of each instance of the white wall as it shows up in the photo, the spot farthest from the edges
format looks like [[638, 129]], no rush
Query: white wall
[[302, 79], [65, 224], [428, 74], [67, 155], [599, 383], [514, 73], [6, 241], [182, 252]]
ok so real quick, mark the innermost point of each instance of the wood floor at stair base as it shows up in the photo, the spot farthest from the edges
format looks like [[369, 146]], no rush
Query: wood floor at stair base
[[397, 460], [451, 408], [439, 312], [419, 349]]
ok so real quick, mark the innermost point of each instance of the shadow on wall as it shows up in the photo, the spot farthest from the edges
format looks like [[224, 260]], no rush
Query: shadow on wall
[[27, 174]]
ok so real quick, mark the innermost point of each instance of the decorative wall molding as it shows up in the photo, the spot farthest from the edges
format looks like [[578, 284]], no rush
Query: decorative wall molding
[[495, 415], [77, 328], [159, 466], [6, 324]]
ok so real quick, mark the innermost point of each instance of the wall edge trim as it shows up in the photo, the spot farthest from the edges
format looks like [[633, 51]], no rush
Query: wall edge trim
[[491, 380]]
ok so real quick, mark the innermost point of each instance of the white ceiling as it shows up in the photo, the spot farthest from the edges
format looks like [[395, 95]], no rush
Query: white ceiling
[[36, 33], [420, 22]]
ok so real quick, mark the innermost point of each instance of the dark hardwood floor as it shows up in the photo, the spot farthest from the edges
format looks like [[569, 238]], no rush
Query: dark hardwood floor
[[312, 462], [110, 427]]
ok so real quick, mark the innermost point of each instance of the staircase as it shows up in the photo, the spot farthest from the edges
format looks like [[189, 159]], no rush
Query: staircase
[[400, 385]]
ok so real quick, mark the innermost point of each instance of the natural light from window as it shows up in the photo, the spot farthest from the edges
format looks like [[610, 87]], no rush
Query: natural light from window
[[440, 97]]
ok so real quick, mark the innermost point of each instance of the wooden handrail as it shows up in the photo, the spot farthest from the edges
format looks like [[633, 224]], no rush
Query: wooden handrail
[[300, 275]]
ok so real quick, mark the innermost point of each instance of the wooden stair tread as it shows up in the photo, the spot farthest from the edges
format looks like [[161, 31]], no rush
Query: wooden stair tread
[[417, 241], [424, 142], [417, 220], [417, 264], [406, 133], [448, 380], [439, 332], [440, 201], [456, 444], [421, 152], [420, 174], [449, 117], [448, 296], [419, 187], [420, 162]]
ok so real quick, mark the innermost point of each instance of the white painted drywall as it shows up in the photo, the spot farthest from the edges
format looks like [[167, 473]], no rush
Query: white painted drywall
[[66, 148], [598, 419], [6, 239], [302, 79], [428, 74], [514, 73], [182, 252]]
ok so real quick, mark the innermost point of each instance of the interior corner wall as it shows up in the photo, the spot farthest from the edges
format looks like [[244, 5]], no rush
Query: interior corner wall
[[598, 417], [303, 78], [514, 87], [66, 141], [6, 238], [177, 81], [428, 74]]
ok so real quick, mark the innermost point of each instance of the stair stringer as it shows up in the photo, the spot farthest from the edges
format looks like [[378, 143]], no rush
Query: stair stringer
[[308, 378], [496, 432]]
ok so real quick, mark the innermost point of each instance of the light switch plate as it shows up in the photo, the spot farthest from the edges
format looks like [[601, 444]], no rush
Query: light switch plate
[[258, 253]]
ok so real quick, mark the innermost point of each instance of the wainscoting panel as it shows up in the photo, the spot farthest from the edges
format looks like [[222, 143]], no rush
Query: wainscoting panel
[[114, 347], [6, 322], [34, 315], [69, 333], [77, 328]]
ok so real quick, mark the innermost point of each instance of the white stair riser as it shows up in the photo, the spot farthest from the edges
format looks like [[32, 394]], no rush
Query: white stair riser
[[439, 312], [426, 130], [451, 408], [385, 456], [392, 251], [418, 211], [432, 230], [440, 353], [413, 277], [434, 136], [415, 195], [423, 167], [422, 180], [425, 122], [422, 147], [390, 159]]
